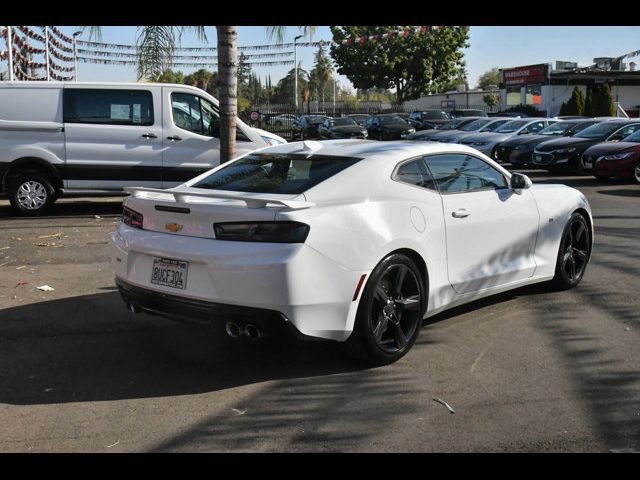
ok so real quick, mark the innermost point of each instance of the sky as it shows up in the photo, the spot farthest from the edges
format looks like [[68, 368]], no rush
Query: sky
[[500, 46]]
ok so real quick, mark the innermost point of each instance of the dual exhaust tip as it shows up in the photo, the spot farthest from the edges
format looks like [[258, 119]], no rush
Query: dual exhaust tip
[[251, 331], [233, 329]]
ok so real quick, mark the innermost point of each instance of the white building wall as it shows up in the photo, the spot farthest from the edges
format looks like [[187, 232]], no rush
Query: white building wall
[[462, 99]]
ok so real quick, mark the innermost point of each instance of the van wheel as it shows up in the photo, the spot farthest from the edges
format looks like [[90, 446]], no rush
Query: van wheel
[[31, 194]]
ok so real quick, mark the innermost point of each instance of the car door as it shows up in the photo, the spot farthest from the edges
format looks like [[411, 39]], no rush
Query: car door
[[113, 137], [491, 230]]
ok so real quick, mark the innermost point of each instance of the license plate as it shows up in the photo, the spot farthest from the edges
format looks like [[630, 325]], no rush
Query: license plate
[[169, 273], [403, 135], [588, 164], [537, 158]]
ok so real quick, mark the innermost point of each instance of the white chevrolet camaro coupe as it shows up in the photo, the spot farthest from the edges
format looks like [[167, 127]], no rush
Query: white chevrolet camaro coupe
[[349, 240]]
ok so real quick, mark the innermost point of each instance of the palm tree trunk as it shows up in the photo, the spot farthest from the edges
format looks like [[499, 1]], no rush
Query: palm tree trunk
[[227, 89]]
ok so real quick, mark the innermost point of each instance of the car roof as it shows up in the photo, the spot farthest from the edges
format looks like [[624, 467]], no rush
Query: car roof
[[366, 148]]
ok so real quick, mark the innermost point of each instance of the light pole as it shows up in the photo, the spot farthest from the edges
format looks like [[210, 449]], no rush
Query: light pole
[[75, 57], [334, 96], [295, 61]]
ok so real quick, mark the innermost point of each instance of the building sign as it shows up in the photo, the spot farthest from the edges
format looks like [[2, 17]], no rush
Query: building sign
[[447, 104], [527, 75]]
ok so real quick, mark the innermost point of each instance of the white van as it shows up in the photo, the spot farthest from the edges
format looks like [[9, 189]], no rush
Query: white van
[[67, 138]]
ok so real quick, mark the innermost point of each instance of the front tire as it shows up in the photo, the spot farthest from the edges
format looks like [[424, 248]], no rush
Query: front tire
[[31, 194], [636, 173], [573, 254], [390, 312]]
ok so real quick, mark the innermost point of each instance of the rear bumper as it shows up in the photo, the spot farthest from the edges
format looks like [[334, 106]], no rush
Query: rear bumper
[[312, 291], [202, 312]]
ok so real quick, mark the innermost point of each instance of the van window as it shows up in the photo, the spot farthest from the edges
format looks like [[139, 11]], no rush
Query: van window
[[110, 107], [198, 115]]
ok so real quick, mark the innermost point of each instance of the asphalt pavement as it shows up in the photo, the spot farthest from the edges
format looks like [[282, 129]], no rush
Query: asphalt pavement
[[525, 371]]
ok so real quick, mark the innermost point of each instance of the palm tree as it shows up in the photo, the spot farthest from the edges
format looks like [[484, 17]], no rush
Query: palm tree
[[323, 69]]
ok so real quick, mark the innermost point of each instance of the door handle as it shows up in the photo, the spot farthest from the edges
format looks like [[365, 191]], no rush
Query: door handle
[[149, 135], [461, 213], [174, 138]]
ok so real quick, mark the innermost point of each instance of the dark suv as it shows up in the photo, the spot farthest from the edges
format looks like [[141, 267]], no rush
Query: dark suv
[[565, 152], [307, 126], [424, 119]]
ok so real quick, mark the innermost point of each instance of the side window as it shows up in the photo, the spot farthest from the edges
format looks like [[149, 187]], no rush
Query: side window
[[108, 106], [414, 172], [628, 130], [455, 173], [187, 113], [534, 127]]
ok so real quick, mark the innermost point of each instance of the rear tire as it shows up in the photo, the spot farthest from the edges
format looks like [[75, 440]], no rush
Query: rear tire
[[31, 193], [390, 312], [573, 254], [636, 173]]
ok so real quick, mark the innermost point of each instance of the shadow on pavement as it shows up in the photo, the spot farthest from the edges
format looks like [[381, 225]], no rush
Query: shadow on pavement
[[79, 208], [622, 192], [91, 348]]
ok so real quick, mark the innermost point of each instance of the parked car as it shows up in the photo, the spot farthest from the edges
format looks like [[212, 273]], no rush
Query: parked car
[[619, 160], [285, 119], [570, 117], [424, 119], [306, 127], [518, 150], [346, 241], [485, 124], [453, 125], [468, 112], [388, 127], [487, 142], [360, 118], [343, 127], [71, 138], [565, 152]]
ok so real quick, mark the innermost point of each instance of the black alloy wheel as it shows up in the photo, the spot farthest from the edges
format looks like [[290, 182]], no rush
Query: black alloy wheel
[[574, 253], [390, 313]]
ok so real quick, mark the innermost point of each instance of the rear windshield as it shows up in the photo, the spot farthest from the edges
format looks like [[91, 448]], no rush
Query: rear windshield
[[273, 173]]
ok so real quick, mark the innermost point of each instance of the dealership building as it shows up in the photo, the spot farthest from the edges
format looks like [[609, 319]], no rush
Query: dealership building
[[546, 89]]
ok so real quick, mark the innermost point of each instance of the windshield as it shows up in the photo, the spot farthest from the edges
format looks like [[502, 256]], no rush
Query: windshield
[[511, 127], [392, 121], [339, 122], [559, 128], [634, 137], [491, 127], [275, 173], [475, 125], [435, 115], [601, 130], [452, 125]]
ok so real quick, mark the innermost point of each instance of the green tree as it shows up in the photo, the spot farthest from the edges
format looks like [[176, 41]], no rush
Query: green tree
[[563, 109], [284, 90], [170, 76], [460, 79], [588, 104], [604, 105], [322, 70], [490, 100], [413, 65], [200, 78], [575, 105], [490, 77]]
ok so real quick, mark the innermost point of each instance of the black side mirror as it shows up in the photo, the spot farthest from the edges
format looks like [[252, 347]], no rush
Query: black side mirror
[[520, 181]]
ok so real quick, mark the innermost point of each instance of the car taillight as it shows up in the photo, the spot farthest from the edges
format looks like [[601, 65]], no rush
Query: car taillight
[[131, 217], [275, 232]]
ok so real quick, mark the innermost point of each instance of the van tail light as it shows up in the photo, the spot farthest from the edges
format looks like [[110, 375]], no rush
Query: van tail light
[[273, 232], [132, 218]]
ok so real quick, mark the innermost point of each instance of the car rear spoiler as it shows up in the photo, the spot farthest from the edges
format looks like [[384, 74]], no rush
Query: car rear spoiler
[[251, 200]]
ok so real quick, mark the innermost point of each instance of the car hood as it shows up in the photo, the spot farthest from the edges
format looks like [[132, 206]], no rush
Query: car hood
[[487, 137], [527, 140], [396, 128], [607, 148], [347, 129], [446, 134], [422, 134], [564, 142]]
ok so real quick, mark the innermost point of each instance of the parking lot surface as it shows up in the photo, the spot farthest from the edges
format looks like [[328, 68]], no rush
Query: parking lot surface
[[528, 370]]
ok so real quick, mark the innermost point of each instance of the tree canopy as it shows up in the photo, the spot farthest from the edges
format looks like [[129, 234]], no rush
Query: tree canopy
[[413, 65], [490, 77]]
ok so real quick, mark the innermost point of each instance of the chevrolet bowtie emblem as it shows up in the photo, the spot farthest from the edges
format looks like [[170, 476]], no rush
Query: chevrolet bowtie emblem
[[173, 227]]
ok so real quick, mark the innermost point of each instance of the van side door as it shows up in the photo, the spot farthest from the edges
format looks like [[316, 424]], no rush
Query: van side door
[[113, 137]]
